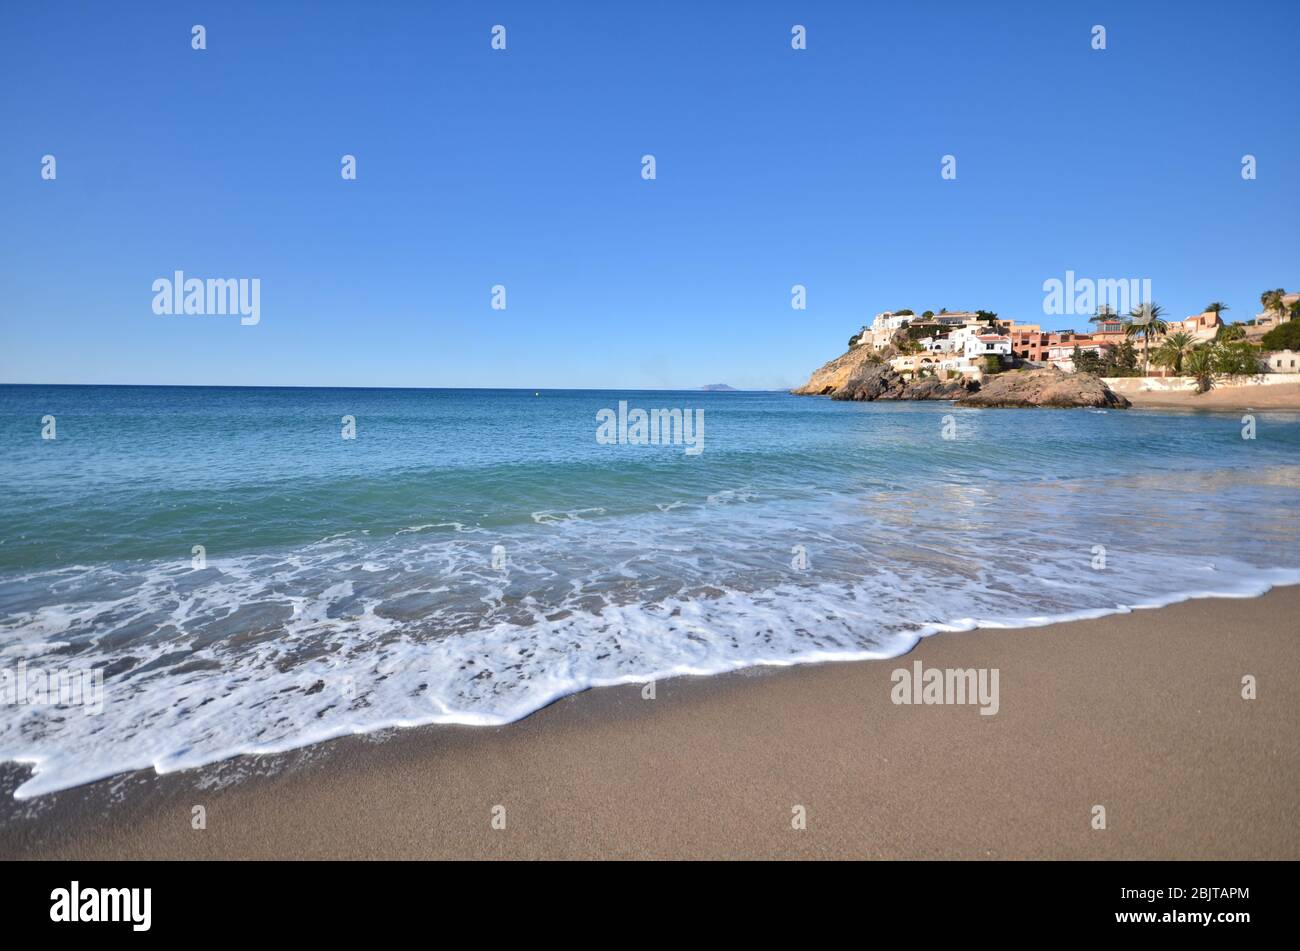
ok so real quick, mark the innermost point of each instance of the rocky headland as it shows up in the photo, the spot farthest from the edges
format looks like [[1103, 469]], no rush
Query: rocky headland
[[863, 375]]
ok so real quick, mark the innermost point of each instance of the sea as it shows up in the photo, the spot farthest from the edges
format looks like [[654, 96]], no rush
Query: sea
[[253, 570]]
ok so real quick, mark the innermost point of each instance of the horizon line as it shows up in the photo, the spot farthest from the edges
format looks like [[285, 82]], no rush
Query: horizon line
[[522, 389]]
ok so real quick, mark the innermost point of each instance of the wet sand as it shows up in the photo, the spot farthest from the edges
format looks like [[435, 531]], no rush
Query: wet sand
[[1140, 713]]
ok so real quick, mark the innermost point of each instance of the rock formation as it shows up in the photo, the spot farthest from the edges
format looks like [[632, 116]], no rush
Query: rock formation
[[833, 375], [877, 381], [1046, 387]]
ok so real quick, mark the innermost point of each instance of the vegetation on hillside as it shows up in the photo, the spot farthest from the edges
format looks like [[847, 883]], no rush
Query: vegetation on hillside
[[1283, 337]]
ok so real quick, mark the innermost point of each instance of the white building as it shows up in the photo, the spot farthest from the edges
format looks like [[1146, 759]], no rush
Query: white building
[[959, 318], [938, 344], [961, 365], [976, 345], [1061, 355], [1282, 361], [891, 321], [962, 339]]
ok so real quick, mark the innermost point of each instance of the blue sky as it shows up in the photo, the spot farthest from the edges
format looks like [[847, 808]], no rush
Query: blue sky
[[522, 168]]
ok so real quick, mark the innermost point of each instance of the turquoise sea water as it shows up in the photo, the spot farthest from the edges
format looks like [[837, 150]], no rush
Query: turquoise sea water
[[472, 555]]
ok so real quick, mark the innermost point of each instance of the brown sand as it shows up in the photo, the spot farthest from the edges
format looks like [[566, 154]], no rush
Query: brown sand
[[1282, 396], [1141, 713]]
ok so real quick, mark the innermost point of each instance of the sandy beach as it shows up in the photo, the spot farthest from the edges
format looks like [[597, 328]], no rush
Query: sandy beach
[[1141, 713], [1282, 396]]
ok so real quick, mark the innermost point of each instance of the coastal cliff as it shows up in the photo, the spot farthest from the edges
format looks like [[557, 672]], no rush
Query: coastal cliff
[[833, 375], [861, 375]]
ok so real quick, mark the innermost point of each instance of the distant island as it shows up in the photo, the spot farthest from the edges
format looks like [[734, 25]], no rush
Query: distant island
[[718, 388]]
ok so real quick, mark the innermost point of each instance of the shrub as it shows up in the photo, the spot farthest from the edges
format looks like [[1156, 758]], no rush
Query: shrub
[[1088, 361], [1283, 337], [1236, 359]]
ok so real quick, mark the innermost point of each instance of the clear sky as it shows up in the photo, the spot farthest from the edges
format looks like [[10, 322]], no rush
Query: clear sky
[[478, 167]]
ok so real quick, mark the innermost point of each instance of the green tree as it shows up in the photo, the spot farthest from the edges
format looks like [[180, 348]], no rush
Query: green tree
[[1125, 359], [1105, 314], [1283, 337], [1217, 308], [1272, 300], [1230, 332], [1236, 359], [1173, 349], [1147, 322], [1088, 361], [1201, 366]]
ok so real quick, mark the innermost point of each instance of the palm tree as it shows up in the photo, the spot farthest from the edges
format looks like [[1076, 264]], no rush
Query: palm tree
[[1272, 300], [1175, 347], [1200, 365], [1105, 314], [1217, 308], [1230, 332], [1146, 321]]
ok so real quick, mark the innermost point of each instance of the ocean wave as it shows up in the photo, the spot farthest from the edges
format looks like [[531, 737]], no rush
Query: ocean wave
[[262, 654], [347, 593]]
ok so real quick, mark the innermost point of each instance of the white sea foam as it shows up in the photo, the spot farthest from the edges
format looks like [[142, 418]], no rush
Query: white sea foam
[[268, 652], [555, 518], [454, 526]]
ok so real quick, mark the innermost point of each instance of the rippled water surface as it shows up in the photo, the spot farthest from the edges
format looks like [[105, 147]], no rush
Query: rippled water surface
[[472, 555]]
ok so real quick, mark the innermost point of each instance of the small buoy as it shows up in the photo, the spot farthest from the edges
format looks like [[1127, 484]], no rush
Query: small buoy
[[537, 394]]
